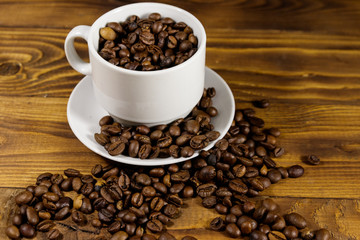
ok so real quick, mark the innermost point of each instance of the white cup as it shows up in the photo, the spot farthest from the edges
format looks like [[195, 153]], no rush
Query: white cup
[[141, 97]]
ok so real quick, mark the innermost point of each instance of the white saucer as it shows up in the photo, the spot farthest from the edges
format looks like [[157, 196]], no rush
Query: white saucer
[[84, 113]]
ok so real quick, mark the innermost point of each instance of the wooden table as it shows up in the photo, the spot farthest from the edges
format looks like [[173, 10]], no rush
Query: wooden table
[[302, 55]]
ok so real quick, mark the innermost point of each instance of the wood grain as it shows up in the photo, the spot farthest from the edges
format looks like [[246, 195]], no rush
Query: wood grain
[[302, 55]]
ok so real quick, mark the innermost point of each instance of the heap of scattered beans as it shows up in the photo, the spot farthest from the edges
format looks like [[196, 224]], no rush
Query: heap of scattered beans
[[147, 44], [178, 139], [137, 203]]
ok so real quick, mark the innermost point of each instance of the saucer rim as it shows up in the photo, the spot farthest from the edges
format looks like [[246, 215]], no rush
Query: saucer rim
[[135, 161]]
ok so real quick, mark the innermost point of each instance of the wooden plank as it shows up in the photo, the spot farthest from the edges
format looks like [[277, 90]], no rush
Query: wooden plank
[[340, 216], [35, 138], [281, 66], [313, 16]]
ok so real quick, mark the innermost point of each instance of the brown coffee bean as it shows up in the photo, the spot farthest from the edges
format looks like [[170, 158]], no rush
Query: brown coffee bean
[[232, 230], [27, 231], [322, 234], [32, 216], [120, 235], [296, 220], [295, 171], [78, 218], [62, 213], [23, 198], [12, 232], [275, 235], [258, 235], [290, 232], [70, 172], [154, 225], [312, 160], [206, 190]]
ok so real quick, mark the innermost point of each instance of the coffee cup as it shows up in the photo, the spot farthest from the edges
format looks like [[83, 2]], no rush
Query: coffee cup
[[141, 97]]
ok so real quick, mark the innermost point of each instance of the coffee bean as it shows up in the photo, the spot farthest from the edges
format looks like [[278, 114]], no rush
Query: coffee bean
[[45, 225], [62, 213], [206, 190], [121, 235], [296, 220], [12, 232], [232, 230], [258, 235], [166, 236], [275, 235], [23, 198], [27, 231], [238, 186], [217, 224], [322, 234], [32, 216], [290, 232], [72, 172], [78, 217], [154, 226], [295, 171], [313, 160], [263, 103]]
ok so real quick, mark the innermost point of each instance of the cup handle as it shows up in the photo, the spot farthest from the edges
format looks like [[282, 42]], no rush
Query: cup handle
[[72, 56]]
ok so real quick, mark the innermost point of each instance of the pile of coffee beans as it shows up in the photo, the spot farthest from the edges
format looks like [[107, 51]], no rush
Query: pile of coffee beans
[[180, 138], [138, 203], [147, 44]]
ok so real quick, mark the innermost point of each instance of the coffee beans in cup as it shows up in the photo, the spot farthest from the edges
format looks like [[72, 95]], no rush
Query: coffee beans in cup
[[147, 44]]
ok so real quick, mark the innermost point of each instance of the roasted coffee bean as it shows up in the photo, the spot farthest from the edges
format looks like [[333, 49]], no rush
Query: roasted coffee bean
[[207, 173], [290, 232], [51, 196], [313, 160], [258, 235], [217, 224], [221, 208], [45, 226], [295, 171], [105, 215], [232, 230], [263, 103], [12, 232], [23, 198], [206, 190], [279, 224], [188, 192], [238, 186], [86, 206], [97, 170], [66, 185], [62, 213], [187, 151], [171, 211], [78, 218], [154, 225], [54, 234], [275, 235], [120, 235], [72, 173], [296, 220], [157, 204], [322, 234], [166, 236], [27, 231], [274, 175], [32, 216]]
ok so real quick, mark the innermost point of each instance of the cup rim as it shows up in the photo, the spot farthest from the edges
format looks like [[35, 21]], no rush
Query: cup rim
[[96, 26]]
